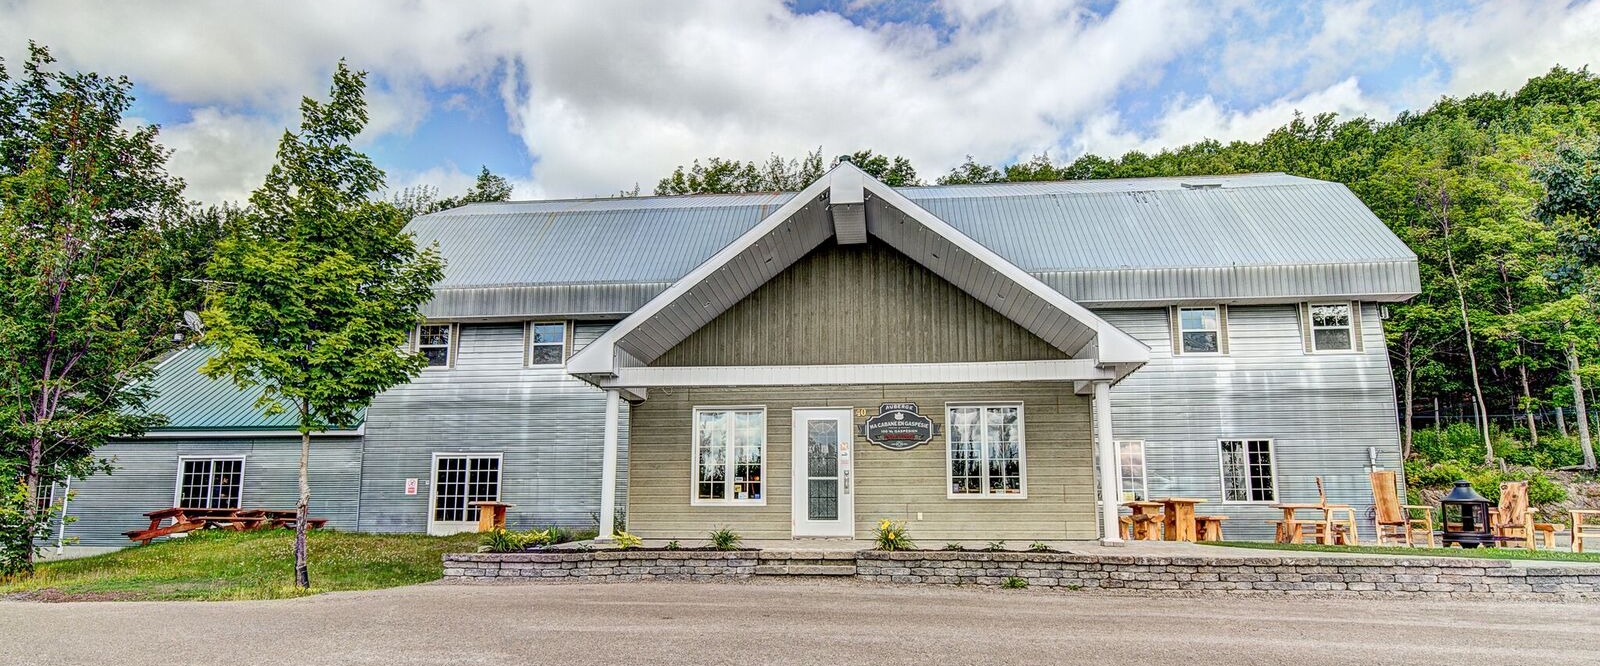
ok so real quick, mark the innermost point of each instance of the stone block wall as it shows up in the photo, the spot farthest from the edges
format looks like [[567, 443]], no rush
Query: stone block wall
[[1323, 576]]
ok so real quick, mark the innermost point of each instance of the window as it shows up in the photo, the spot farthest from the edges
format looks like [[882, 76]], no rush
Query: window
[[1247, 471], [1201, 330], [547, 343], [47, 497], [459, 480], [1330, 327], [434, 341], [1130, 464], [730, 453], [985, 451], [210, 483]]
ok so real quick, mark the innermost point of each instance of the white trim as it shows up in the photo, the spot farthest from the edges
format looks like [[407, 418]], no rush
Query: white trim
[[1022, 453], [1272, 460], [877, 373], [1107, 347], [1349, 326], [448, 527], [727, 474], [1216, 311], [799, 500], [177, 486], [1144, 470]]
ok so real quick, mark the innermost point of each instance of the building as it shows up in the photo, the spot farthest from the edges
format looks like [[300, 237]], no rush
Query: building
[[969, 359]]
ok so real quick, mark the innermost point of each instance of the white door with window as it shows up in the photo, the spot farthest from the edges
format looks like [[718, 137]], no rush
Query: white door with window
[[824, 502], [459, 479]]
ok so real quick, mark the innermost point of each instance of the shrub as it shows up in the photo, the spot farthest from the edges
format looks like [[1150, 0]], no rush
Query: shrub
[[953, 546], [674, 545], [723, 538], [892, 536], [1485, 480], [557, 534], [995, 546], [1040, 547], [625, 540], [1015, 583], [500, 541]]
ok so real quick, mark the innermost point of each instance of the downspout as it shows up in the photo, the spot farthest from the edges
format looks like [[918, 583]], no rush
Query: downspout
[[61, 530]]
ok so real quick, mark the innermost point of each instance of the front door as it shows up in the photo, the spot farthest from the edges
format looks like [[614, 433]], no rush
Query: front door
[[823, 497]]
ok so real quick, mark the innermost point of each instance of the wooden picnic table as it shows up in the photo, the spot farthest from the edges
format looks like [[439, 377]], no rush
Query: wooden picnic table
[[1146, 515], [1179, 517], [189, 519], [1292, 529]]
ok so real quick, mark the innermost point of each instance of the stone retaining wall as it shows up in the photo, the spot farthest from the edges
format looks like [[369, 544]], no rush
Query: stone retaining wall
[[1323, 576]]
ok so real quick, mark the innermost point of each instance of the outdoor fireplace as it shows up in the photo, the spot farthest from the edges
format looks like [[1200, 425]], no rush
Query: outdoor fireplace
[[1465, 516]]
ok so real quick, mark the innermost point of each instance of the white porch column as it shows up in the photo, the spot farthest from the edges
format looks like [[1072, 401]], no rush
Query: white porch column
[[1105, 443], [608, 468]]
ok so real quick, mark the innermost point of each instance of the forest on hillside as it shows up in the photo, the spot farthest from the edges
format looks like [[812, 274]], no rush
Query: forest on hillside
[[1497, 193]]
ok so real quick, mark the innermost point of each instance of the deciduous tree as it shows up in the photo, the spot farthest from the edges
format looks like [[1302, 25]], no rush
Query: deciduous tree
[[319, 289]]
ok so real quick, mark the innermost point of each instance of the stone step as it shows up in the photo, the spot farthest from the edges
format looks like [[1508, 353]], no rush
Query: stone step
[[805, 570]]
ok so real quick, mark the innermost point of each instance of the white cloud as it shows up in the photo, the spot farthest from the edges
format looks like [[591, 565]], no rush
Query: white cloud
[[608, 93]]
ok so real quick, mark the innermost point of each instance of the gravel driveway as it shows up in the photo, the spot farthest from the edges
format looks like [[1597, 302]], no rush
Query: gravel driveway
[[790, 623]]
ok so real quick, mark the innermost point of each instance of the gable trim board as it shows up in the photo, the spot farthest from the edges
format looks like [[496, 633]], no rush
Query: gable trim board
[[804, 223]]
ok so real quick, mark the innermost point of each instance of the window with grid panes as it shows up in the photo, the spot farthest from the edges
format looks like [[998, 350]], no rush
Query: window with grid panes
[[210, 483], [547, 343], [1247, 471], [1330, 327], [730, 456], [985, 450], [459, 480], [1201, 330], [1130, 464], [434, 341]]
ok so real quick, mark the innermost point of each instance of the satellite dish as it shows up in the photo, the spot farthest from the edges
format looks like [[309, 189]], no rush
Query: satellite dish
[[192, 321]]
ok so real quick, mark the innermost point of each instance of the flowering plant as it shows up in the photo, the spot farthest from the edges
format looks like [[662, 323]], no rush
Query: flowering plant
[[891, 535]]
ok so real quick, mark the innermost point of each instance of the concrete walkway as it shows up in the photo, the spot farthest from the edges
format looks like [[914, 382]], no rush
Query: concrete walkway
[[790, 623]]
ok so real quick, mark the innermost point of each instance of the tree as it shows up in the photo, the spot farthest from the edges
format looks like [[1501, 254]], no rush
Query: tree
[[777, 174], [84, 310], [970, 172], [1571, 207], [894, 172], [319, 289], [423, 199]]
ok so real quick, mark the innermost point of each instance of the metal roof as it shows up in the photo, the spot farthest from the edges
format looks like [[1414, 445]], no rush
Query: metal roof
[[193, 402], [1237, 238]]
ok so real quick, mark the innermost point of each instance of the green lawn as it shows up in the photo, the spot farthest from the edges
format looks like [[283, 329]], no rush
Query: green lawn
[[216, 565], [1478, 553]]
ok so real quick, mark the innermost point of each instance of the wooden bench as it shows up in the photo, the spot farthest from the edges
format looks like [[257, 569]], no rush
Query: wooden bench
[[1209, 528]]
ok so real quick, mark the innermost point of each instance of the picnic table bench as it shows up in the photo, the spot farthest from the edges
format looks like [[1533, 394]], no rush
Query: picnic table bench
[[188, 519]]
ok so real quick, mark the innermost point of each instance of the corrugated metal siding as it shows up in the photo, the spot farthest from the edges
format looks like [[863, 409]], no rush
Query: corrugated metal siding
[[1105, 242], [146, 478], [857, 304], [1322, 411], [547, 424], [192, 401]]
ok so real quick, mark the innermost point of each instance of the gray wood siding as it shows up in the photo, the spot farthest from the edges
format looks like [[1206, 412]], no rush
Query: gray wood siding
[[1322, 411], [889, 484], [146, 478], [547, 424], [866, 303]]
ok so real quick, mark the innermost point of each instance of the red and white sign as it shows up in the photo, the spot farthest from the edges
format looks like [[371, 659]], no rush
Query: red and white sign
[[411, 486]]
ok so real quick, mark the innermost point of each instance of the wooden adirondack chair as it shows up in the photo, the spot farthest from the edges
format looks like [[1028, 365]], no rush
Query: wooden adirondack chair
[[1513, 519], [1394, 520]]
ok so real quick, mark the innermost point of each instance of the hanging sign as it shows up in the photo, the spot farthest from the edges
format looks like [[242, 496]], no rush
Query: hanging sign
[[898, 427]]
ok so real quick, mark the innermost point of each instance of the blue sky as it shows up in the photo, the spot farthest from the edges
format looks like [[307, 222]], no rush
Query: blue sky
[[590, 97]]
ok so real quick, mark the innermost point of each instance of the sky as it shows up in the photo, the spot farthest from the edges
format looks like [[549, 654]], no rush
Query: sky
[[592, 97]]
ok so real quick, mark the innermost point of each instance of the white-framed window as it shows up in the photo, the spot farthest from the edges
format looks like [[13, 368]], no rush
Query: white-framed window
[[435, 341], [210, 483], [1331, 327], [460, 479], [547, 343], [1130, 468], [1247, 471], [1200, 330], [47, 497], [730, 456], [985, 456]]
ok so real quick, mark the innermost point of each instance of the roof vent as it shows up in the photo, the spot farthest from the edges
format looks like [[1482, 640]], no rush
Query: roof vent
[[1201, 186]]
